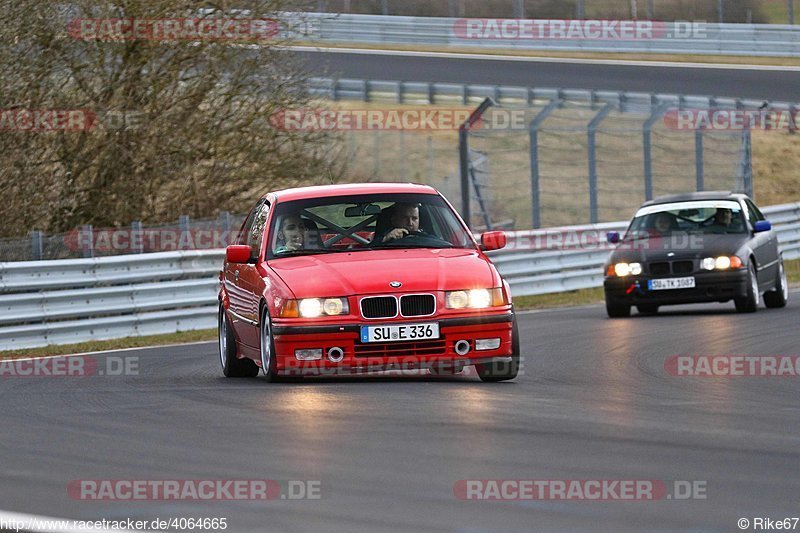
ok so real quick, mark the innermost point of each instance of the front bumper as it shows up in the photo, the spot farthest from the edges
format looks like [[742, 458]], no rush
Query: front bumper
[[709, 287], [362, 357]]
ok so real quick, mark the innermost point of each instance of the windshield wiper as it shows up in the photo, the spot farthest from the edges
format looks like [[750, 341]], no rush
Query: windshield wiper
[[296, 253]]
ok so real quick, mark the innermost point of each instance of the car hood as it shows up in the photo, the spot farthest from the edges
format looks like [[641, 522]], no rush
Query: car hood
[[683, 247], [370, 272]]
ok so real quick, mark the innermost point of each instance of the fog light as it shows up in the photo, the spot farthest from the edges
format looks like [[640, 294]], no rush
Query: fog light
[[308, 355], [487, 344]]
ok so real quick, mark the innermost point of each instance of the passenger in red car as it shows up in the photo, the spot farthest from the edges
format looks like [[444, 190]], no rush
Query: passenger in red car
[[404, 220]]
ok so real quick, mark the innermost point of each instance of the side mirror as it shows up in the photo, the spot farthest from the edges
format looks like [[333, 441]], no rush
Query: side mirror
[[493, 240], [762, 226], [237, 253], [613, 237]]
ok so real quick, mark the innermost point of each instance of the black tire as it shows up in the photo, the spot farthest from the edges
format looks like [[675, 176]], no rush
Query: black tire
[[647, 309], [749, 304], [494, 372], [269, 361], [778, 298], [232, 366], [616, 310]]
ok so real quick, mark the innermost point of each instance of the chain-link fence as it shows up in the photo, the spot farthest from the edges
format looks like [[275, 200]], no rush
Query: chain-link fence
[[575, 161], [745, 11]]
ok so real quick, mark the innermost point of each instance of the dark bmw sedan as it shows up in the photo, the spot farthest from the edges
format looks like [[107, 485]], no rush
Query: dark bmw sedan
[[693, 248]]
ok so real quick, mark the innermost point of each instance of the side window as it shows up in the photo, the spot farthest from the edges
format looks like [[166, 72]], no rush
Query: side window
[[241, 238], [753, 212], [256, 232]]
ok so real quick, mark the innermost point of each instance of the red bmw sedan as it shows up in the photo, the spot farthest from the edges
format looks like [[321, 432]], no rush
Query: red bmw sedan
[[346, 279]]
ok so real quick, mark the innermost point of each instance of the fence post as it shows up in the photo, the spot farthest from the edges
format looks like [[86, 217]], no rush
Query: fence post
[[580, 9], [376, 153], [137, 237], [463, 158], [36, 245], [698, 159], [225, 220], [519, 9], [533, 133], [745, 170], [183, 224], [592, 149], [88, 240], [647, 130]]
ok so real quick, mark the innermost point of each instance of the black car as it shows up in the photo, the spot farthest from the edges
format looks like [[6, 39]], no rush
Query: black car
[[693, 248]]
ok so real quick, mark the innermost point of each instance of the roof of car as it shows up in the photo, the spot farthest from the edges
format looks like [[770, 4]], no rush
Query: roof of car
[[302, 193], [688, 197]]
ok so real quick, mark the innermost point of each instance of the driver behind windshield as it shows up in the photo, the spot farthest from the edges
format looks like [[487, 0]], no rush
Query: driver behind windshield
[[291, 234], [723, 218], [404, 219]]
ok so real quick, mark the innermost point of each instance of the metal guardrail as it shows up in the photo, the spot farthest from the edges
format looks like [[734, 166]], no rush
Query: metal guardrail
[[667, 38], [467, 94], [77, 300]]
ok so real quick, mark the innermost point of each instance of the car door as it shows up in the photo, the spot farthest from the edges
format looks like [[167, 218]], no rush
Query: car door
[[249, 281], [238, 300], [765, 246]]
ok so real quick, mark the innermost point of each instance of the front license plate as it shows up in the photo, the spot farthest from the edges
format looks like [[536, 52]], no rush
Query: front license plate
[[405, 332], [671, 283]]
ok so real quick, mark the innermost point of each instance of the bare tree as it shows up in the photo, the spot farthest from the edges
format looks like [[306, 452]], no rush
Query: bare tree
[[182, 124]]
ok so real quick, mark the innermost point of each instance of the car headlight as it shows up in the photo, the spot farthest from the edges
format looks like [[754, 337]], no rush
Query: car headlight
[[625, 269], [315, 307], [720, 263], [475, 298]]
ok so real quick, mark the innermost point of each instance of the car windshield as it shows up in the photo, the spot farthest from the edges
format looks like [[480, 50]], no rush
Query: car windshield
[[703, 217], [365, 222]]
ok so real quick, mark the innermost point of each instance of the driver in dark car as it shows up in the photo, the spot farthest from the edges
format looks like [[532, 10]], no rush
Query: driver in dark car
[[404, 220]]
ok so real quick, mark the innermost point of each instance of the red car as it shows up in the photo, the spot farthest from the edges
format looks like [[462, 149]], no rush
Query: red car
[[347, 279]]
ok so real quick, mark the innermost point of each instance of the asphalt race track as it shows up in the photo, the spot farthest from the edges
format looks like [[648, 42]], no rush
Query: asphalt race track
[[595, 402], [769, 84]]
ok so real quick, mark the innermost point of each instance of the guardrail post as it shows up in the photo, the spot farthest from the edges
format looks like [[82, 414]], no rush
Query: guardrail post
[[399, 92], [137, 237], [365, 89], [533, 133], [87, 235], [721, 11], [790, 11], [698, 159], [647, 130], [592, 149], [384, 7], [36, 245], [651, 10]]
